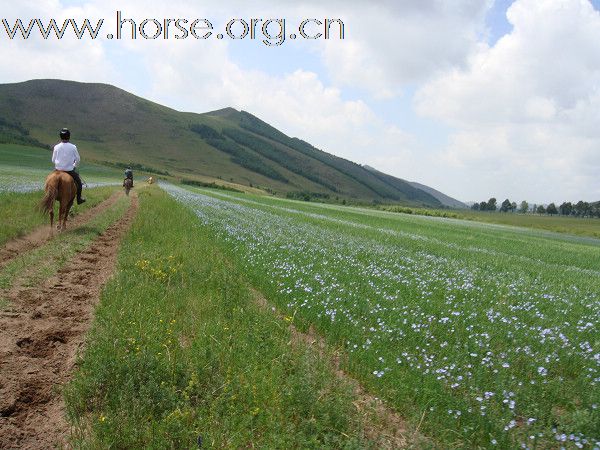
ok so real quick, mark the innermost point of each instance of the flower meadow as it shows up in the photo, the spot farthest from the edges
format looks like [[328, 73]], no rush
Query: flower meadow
[[486, 336]]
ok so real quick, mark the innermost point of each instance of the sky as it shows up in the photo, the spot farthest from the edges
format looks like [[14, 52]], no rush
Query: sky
[[476, 98]]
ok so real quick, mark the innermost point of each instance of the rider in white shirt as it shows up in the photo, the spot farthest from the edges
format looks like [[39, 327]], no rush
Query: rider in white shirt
[[66, 158]]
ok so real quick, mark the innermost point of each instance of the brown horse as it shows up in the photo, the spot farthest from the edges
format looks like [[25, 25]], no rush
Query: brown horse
[[59, 186], [127, 184]]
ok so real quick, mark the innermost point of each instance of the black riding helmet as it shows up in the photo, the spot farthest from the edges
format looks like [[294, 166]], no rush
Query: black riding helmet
[[65, 134]]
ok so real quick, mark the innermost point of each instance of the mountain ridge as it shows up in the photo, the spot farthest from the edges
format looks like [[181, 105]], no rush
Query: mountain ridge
[[114, 126], [446, 200]]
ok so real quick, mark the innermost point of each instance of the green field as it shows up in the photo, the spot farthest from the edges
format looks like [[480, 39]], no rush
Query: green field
[[181, 353], [487, 334], [24, 169], [480, 335], [557, 224]]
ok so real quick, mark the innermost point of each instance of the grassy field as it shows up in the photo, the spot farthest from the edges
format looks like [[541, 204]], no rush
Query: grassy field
[[481, 335], [20, 213], [24, 169], [486, 334], [180, 353], [557, 224]]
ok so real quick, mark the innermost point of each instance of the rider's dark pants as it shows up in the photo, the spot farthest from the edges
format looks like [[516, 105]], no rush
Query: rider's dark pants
[[75, 176]]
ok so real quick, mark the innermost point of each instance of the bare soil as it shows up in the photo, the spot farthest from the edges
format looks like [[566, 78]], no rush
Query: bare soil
[[43, 330]]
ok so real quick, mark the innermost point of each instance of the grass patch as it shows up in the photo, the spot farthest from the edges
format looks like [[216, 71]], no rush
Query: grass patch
[[180, 353], [20, 214], [420, 211], [558, 224], [211, 185], [23, 158], [137, 167]]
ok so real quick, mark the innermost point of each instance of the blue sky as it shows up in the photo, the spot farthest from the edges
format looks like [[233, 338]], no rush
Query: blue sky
[[496, 20], [477, 99]]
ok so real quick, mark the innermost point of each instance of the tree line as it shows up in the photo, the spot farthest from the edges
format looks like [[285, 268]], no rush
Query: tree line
[[579, 209]]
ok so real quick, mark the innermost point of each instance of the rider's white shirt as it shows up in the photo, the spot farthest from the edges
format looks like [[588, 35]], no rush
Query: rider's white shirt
[[65, 156]]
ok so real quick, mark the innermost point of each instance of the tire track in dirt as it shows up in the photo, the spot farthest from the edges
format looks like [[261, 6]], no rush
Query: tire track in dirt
[[42, 334], [43, 234], [382, 424]]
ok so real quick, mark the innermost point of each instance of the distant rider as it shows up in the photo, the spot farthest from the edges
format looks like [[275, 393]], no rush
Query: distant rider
[[66, 158], [129, 174]]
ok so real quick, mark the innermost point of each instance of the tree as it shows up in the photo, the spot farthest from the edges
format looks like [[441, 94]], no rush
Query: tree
[[506, 206], [483, 206], [475, 206], [566, 208], [491, 204], [513, 206], [582, 208], [551, 209], [524, 207], [541, 209]]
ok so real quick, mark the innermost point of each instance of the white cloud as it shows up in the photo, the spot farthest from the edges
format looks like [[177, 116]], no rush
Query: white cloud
[[398, 43], [35, 57], [297, 103], [524, 110]]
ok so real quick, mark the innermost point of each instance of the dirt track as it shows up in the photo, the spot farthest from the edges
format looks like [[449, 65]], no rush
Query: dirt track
[[43, 329], [41, 235]]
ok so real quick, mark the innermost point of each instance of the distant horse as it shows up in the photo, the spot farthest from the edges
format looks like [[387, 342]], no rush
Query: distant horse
[[127, 184], [150, 180], [59, 186]]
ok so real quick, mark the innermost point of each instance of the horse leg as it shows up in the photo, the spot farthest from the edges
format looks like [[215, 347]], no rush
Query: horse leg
[[67, 214], [52, 217], [62, 215]]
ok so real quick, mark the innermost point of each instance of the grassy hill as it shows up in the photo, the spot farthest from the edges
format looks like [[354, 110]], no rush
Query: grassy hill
[[444, 199], [114, 127]]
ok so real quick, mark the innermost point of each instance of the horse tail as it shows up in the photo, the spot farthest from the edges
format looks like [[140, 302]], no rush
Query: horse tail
[[51, 191]]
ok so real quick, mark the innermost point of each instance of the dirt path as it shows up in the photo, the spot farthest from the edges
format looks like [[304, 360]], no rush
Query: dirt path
[[383, 425], [44, 233], [43, 330]]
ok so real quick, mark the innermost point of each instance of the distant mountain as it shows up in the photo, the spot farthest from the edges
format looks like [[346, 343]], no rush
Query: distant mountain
[[441, 197], [112, 126]]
